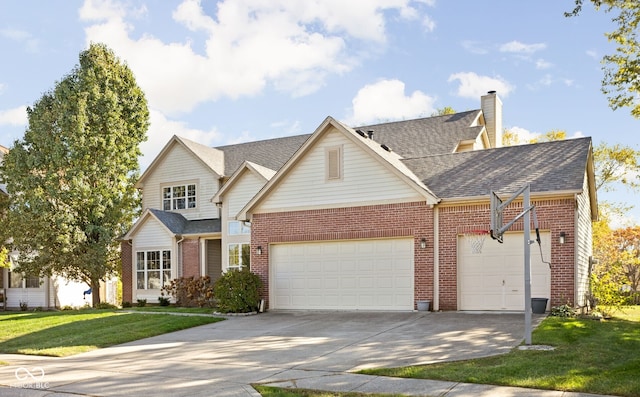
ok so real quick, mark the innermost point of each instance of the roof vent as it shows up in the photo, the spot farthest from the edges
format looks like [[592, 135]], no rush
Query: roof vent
[[361, 133], [370, 134], [385, 147]]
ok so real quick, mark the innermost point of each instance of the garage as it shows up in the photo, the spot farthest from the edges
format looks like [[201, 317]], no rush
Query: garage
[[374, 274], [494, 278]]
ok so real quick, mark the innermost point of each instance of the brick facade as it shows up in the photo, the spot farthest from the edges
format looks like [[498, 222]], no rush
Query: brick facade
[[191, 258], [126, 257], [376, 221], [553, 215], [416, 220]]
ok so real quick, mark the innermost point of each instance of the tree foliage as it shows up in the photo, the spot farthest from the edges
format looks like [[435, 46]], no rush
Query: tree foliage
[[620, 83], [444, 111], [71, 177], [616, 164]]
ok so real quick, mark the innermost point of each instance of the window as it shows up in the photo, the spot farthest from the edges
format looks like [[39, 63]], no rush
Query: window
[[153, 269], [334, 163], [179, 197], [16, 281], [239, 256], [237, 227]]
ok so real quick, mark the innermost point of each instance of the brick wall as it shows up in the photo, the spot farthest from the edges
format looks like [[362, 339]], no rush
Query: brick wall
[[553, 215], [376, 221], [191, 258], [126, 256]]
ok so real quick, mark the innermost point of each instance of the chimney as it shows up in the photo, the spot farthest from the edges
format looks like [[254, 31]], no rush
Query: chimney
[[491, 107]]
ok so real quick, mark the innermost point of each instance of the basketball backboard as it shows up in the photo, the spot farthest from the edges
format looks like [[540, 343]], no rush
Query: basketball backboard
[[496, 216]]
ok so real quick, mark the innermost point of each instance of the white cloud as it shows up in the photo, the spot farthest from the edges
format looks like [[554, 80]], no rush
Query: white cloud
[[524, 136], [250, 45], [428, 23], [542, 64], [15, 116], [474, 47], [162, 128], [521, 48], [31, 44], [386, 101], [474, 86], [593, 54]]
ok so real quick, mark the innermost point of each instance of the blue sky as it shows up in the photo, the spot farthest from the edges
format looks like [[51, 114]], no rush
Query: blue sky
[[240, 70]]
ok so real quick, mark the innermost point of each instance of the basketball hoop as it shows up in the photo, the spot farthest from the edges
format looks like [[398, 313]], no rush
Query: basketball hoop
[[476, 239]]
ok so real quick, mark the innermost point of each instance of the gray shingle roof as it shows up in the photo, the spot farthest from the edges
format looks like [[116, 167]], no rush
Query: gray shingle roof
[[549, 166], [410, 138], [178, 224]]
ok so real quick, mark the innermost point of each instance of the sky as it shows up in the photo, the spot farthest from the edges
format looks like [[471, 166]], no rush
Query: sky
[[224, 72]]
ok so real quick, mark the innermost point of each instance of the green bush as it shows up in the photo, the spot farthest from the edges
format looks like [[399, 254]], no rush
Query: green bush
[[105, 305], [142, 302], [565, 310], [126, 304], [191, 291], [164, 301], [238, 291]]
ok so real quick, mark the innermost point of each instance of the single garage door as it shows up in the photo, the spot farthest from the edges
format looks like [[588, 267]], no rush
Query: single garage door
[[494, 279], [342, 275]]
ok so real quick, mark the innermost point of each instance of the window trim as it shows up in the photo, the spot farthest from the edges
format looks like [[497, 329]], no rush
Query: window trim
[[241, 265], [162, 268], [173, 199]]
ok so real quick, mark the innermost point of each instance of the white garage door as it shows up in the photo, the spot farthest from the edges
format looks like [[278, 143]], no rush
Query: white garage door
[[347, 275], [494, 279]]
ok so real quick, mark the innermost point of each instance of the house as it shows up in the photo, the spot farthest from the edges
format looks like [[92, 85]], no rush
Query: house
[[369, 218], [56, 291]]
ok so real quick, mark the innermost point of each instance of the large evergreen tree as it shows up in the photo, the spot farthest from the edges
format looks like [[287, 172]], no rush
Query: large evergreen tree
[[71, 178]]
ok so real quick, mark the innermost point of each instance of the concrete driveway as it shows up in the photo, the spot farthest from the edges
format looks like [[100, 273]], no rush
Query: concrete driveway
[[224, 358]]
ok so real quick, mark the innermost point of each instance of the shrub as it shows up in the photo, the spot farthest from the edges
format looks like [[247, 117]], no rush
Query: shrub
[[142, 302], [164, 301], [126, 304], [105, 305], [238, 291], [191, 292], [24, 306], [563, 311]]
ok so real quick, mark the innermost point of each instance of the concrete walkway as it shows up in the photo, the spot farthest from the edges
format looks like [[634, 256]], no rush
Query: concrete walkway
[[286, 349]]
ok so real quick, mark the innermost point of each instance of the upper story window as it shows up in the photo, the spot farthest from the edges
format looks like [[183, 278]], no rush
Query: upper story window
[[333, 160], [179, 197], [237, 227]]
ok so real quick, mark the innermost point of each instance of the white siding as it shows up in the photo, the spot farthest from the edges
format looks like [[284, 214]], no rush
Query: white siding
[[584, 244], [179, 166], [152, 235], [242, 191], [365, 181]]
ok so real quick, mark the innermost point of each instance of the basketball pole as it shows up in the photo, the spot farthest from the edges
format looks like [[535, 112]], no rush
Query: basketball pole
[[526, 217], [527, 266]]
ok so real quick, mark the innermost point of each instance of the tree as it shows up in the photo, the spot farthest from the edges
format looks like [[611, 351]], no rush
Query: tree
[[621, 69], [71, 178], [628, 250], [443, 111], [616, 164]]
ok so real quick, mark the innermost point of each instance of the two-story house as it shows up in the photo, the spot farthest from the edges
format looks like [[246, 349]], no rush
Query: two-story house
[[368, 218]]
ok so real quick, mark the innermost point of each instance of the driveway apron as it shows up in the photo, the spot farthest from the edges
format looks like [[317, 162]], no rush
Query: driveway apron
[[286, 348]]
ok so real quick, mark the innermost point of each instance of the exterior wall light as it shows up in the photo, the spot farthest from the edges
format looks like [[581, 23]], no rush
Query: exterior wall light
[[563, 237], [423, 243], [259, 250]]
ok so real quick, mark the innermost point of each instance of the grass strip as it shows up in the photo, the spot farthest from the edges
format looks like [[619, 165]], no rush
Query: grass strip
[[71, 332], [590, 356]]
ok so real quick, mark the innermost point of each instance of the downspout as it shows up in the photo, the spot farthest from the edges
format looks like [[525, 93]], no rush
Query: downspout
[[436, 259], [179, 254]]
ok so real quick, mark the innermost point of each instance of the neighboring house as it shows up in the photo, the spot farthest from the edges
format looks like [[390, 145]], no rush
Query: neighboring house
[[372, 218], [45, 292]]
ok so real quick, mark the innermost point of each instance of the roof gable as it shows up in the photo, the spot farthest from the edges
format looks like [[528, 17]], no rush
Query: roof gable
[[387, 158], [211, 158], [261, 172], [175, 224]]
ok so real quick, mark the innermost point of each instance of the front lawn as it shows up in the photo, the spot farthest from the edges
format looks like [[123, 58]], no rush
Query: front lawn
[[590, 356], [267, 391], [70, 332]]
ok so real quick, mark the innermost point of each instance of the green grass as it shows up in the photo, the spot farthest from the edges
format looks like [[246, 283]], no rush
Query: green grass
[[171, 309], [71, 332], [601, 357], [268, 391]]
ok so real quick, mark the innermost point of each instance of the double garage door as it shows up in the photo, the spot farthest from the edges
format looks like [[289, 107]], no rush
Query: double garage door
[[494, 279], [342, 275]]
